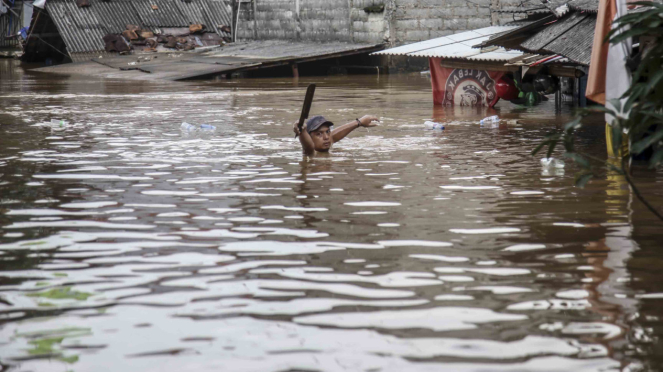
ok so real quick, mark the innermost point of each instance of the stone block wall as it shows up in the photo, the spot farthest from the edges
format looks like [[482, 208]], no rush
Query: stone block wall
[[312, 20], [417, 20], [399, 22]]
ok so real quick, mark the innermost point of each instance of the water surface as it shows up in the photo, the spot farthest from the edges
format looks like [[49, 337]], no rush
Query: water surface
[[126, 244]]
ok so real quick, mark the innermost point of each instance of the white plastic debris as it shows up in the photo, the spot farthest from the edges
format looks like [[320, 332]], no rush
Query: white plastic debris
[[57, 125], [552, 163], [433, 125], [490, 120]]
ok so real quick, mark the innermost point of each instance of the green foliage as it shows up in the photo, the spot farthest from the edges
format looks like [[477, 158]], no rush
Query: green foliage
[[49, 343], [643, 128], [62, 293]]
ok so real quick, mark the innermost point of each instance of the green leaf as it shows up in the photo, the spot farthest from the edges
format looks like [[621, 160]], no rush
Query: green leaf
[[617, 104], [582, 179], [551, 148], [580, 160], [573, 124], [644, 143], [636, 31], [61, 293], [653, 81], [653, 114], [538, 148], [656, 158], [636, 92], [546, 142]]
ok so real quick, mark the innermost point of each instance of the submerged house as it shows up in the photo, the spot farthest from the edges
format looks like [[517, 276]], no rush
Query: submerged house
[[71, 30], [293, 31], [546, 51], [15, 18], [164, 39]]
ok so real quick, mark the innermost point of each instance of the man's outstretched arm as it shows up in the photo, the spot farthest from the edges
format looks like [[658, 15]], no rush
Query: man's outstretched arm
[[304, 139], [345, 129]]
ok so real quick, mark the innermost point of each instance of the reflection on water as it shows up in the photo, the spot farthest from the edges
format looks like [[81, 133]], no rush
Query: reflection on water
[[128, 244]]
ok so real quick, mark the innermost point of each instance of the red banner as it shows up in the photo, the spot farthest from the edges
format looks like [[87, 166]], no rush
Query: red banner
[[463, 87]]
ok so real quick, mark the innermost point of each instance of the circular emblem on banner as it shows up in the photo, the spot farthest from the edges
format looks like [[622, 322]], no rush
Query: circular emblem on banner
[[469, 88]]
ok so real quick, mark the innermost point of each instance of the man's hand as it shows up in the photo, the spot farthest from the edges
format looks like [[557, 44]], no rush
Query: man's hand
[[295, 128], [369, 121]]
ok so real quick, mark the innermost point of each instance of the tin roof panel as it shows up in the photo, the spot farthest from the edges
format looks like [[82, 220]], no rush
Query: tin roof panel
[[457, 46]]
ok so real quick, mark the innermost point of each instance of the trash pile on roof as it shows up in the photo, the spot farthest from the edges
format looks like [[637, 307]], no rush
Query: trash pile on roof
[[90, 26]]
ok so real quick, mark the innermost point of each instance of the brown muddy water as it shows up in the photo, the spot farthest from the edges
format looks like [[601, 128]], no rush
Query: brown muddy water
[[127, 245]]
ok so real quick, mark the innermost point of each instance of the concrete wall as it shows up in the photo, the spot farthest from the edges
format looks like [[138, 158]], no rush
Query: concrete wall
[[317, 20], [401, 22]]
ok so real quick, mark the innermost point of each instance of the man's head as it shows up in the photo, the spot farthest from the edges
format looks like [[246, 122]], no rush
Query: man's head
[[319, 129]]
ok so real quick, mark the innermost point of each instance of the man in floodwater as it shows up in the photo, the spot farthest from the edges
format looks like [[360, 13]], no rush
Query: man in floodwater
[[318, 135]]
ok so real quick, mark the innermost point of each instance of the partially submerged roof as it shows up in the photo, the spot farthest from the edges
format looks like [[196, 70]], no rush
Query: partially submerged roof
[[570, 36], [83, 29], [458, 46], [213, 61]]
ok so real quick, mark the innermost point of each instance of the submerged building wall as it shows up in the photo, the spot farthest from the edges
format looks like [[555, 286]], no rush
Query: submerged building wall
[[394, 22]]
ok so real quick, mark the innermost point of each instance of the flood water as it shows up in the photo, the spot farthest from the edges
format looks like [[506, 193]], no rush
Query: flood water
[[127, 245]]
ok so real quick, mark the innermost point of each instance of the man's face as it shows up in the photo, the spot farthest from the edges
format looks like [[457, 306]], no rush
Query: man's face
[[322, 140]]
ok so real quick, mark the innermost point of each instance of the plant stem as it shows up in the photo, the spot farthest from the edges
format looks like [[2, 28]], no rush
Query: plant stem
[[629, 180], [637, 193]]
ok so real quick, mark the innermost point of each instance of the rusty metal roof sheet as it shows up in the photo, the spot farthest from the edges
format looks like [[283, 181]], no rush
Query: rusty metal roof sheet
[[458, 46]]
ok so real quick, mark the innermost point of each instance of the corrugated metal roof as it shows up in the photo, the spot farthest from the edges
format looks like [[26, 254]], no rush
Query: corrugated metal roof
[[83, 29], [116, 14], [231, 58], [216, 15], [459, 46], [582, 5], [159, 13], [571, 36], [211, 13], [191, 11], [79, 27]]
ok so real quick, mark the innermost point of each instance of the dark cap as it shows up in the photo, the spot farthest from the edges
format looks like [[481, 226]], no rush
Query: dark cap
[[316, 122]]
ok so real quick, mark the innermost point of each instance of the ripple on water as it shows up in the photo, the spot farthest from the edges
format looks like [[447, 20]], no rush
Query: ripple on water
[[437, 319], [232, 251]]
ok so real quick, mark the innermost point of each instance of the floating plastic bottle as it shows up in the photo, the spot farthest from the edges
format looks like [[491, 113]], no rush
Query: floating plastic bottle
[[58, 125], [490, 120], [433, 125], [552, 163], [207, 127], [186, 127]]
